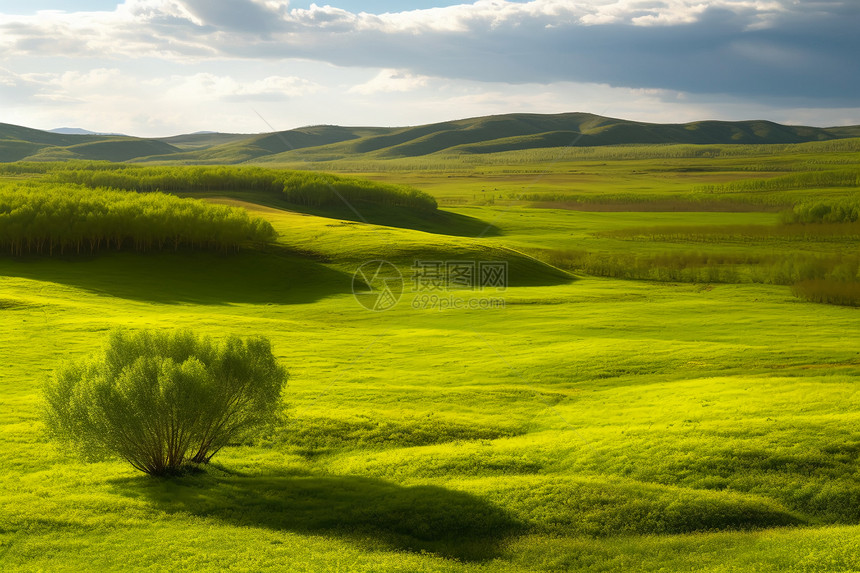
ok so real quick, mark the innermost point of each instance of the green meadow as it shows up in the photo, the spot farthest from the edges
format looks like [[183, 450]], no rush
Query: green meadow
[[669, 382]]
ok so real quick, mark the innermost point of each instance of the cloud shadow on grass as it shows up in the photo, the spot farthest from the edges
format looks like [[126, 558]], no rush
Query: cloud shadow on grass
[[419, 518]]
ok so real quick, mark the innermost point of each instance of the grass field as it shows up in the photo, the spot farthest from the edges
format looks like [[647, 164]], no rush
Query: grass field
[[590, 423]]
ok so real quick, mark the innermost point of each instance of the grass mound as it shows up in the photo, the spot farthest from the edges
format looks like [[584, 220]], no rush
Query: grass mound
[[315, 433], [8, 303], [608, 507]]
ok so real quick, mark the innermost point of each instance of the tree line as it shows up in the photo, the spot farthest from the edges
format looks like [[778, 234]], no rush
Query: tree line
[[300, 187], [838, 231], [46, 219], [805, 180], [828, 291], [838, 210], [833, 279]]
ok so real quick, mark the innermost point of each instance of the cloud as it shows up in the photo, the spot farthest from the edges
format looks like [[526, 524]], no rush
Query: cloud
[[743, 47], [228, 95], [649, 59], [388, 80], [245, 16], [15, 87], [59, 88], [203, 87], [76, 86]]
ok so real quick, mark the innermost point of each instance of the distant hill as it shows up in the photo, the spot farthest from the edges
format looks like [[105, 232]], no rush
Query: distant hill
[[78, 131], [328, 142]]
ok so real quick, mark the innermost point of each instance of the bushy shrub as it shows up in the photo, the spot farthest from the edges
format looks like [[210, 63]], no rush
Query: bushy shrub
[[160, 399]]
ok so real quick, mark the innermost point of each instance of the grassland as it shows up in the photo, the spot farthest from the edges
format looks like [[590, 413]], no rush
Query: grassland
[[591, 424]]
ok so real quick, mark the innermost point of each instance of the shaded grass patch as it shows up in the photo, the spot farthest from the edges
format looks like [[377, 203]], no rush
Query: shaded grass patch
[[274, 276], [419, 518]]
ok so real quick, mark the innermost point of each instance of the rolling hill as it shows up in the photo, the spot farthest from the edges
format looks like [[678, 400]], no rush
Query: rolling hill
[[467, 136]]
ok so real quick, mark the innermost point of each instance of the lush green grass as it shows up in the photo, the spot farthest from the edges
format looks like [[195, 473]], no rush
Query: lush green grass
[[591, 409], [592, 424]]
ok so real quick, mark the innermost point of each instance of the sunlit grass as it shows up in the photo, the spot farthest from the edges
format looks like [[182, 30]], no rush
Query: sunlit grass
[[589, 424]]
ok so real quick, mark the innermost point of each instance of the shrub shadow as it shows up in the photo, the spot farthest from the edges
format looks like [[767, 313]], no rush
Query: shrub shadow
[[419, 518], [439, 222], [275, 276]]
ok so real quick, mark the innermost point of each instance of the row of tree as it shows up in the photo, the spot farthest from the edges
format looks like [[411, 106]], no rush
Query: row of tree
[[299, 187], [805, 180], [49, 219], [829, 291], [321, 189], [721, 267], [26, 167], [666, 202], [828, 231], [840, 210]]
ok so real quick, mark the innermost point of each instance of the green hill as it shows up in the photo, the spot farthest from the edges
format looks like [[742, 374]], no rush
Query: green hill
[[37, 136], [15, 149], [202, 140], [17, 143], [478, 135], [113, 149], [531, 131]]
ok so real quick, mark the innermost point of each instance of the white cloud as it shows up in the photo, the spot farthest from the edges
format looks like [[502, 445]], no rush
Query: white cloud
[[211, 87], [156, 66], [8, 78], [180, 28], [388, 80]]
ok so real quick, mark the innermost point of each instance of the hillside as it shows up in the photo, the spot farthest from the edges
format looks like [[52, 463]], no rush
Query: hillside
[[467, 136]]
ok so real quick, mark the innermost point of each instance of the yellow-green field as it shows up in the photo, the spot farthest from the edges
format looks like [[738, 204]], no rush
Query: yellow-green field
[[657, 422]]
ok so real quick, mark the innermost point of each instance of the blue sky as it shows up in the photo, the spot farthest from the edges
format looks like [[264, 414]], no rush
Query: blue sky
[[160, 67]]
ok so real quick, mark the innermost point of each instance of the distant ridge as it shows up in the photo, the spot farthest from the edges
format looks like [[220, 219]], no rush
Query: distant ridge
[[477, 135], [78, 131]]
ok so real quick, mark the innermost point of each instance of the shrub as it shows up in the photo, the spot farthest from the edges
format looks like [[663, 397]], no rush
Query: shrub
[[160, 399]]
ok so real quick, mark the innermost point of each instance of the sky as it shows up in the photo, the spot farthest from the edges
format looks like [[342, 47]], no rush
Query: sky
[[163, 67]]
